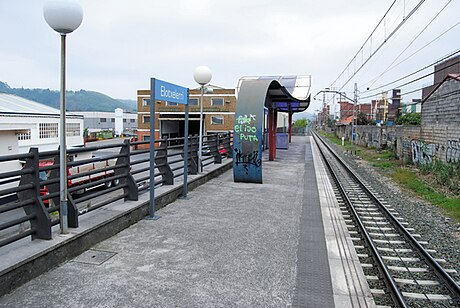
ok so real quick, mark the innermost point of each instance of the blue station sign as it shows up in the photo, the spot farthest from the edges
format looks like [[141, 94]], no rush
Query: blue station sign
[[165, 91]]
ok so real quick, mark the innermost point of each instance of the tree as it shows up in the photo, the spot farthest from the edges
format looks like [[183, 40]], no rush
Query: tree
[[409, 119], [362, 119], [301, 122]]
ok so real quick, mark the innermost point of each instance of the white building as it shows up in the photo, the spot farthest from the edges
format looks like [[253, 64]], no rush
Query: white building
[[25, 124], [96, 121]]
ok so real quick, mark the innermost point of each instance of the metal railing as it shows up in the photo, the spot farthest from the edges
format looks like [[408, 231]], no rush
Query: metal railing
[[97, 176]]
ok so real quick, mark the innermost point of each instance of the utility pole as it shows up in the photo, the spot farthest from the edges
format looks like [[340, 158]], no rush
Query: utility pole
[[323, 112], [355, 101]]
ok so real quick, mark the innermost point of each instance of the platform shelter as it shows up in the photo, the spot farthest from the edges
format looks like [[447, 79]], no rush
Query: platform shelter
[[259, 99]]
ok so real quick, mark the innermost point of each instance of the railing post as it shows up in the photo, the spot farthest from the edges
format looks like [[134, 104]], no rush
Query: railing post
[[42, 222], [228, 144], [193, 157], [161, 160], [215, 150], [131, 190], [72, 210]]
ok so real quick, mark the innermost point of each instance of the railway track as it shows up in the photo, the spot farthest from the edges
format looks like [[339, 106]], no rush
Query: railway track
[[399, 266]]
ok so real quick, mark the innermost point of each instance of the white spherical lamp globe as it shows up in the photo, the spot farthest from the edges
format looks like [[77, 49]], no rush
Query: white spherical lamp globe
[[64, 16], [202, 75]]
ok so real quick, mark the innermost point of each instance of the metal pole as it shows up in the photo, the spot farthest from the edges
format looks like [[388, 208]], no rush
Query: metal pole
[[63, 149], [152, 152], [200, 146], [355, 100], [184, 194]]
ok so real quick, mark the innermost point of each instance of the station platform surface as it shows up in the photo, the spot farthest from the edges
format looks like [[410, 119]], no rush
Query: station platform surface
[[282, 243]]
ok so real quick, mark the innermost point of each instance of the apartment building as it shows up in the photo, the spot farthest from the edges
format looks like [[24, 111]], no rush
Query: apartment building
[[218, 114]]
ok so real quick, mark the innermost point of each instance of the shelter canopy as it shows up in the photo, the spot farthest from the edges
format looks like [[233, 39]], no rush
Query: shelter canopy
[[285, 93]]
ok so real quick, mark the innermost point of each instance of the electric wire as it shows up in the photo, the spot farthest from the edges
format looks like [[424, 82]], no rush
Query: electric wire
[[411, 13], [420, 49], [413, 73], [413, 40], [365, 42], [416, 79]]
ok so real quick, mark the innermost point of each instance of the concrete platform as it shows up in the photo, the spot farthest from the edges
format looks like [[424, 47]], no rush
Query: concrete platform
[[228, 245]]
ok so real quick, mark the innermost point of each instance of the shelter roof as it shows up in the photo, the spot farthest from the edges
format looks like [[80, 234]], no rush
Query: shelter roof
[[285, 93]]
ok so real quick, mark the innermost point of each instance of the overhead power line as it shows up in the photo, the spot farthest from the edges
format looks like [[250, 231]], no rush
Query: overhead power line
[[413, 40], [413, 73], [369, 39], [416, 79]]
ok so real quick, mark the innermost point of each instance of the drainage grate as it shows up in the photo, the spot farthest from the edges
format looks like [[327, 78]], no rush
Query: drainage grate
[[94, 256]]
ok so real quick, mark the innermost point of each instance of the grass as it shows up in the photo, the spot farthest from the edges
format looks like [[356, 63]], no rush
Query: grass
[[386, 162]]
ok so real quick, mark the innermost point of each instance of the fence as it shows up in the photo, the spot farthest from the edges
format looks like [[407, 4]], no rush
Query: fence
[[97, 176]]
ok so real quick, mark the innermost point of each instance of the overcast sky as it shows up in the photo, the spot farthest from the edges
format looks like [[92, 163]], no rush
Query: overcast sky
[[121, 44]]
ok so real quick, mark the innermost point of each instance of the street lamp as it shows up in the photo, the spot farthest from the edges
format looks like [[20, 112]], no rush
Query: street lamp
[[63, 16], [202, 76]]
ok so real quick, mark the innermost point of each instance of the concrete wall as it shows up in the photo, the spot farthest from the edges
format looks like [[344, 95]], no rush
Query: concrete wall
[[418, 144]]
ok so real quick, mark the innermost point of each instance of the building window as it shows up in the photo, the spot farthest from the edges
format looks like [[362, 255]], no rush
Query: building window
[[113, 120], [217, 101], [146, 138], [124, 120], [145, 102], [132, 121], [24, 136], [193, 102], [102, 120], [217, 120], [171, 104], [47, 130], [146, 119], [72, 129]]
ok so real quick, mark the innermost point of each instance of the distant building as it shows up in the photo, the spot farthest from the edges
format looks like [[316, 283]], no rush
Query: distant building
[[96, 121], [346, 111], [441, 71], [25, 124], [218, 114], [414, 107], [387, 109]]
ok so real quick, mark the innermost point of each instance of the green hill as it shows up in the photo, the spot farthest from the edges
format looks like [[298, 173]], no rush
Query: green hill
[[76, 100]]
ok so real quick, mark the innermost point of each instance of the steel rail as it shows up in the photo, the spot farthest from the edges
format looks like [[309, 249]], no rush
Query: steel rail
[[396, 292], [450, 283]]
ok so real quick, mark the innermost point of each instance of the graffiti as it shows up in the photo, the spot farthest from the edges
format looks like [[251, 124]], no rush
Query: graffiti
[[245, 127], [245, 119], [247, 159], [422, 152], [453, 151], [391, 136]]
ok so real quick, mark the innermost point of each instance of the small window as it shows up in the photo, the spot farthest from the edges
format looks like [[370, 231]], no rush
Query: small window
[[145, 102], [124, 120], [146, 138], [146, 119], [102, 120], [217, 120], [113, 120], [217, 101], [24, 136], [193, 102], [72, 129], [47, 130], [132, 121], [171, 104]]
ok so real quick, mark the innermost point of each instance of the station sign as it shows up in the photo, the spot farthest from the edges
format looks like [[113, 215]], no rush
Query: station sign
[[169, 92]]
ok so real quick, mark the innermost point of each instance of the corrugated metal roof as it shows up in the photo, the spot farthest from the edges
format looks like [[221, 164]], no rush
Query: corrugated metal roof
[[13, 104]]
